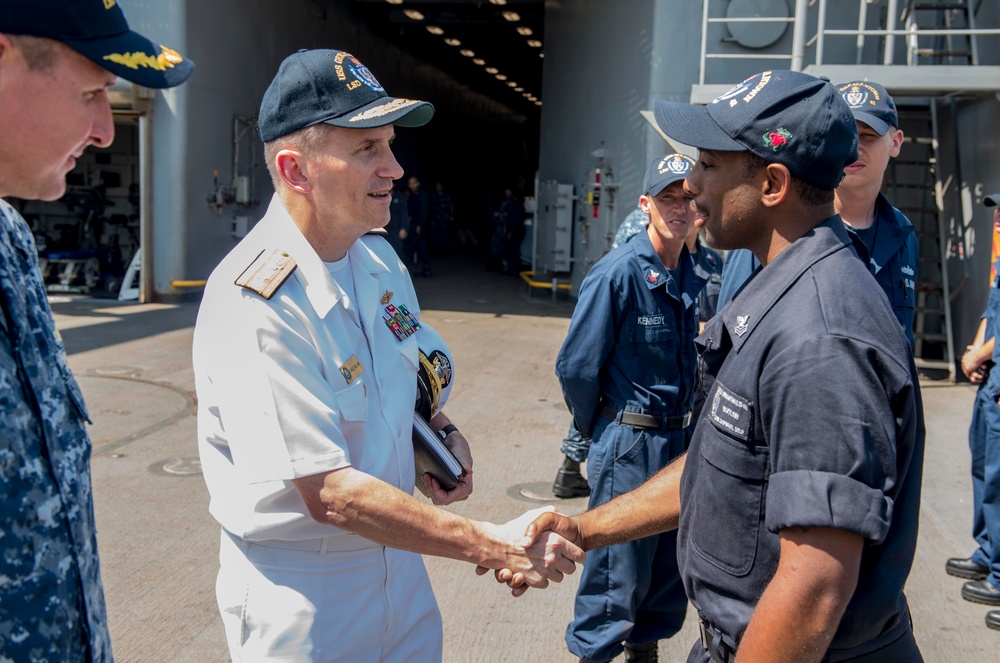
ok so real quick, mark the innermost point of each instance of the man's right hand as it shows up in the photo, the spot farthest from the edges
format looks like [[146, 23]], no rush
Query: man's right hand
[[545, 556], [539, 532]]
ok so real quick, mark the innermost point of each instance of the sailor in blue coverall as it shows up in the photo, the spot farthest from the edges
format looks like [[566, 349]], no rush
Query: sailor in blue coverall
[[627, 370], [982, 569]]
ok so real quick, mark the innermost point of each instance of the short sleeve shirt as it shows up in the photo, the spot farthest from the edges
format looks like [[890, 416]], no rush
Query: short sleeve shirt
[[812, 419], [285, 386]]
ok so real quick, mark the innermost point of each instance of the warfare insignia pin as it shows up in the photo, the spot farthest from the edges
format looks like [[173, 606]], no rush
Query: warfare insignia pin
[[741, 325], [386, 297], [653, 276]]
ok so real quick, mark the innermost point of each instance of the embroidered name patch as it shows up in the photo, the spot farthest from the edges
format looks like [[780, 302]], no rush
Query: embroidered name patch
[[652, 320], [731, 413]]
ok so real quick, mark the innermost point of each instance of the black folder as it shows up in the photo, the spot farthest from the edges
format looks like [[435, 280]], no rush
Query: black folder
[[431, 456]]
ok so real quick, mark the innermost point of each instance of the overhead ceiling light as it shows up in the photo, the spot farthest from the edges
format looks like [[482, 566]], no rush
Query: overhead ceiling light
[[492, 70], [495, 2], [524, 31], [511, 84], [501, 77], [519, 89], [451, 41], [541, 54], [479, 61], [513, 17], [435, 30], [395, 2], [526, 95], [534, 43], [538, 103], [413, 14], [467, 53]]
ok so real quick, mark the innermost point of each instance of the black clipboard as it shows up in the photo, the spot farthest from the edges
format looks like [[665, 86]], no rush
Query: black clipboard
[[431, 456]]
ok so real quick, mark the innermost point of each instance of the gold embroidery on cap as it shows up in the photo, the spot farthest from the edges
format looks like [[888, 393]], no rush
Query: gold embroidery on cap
[[167, 59], [384, 109]]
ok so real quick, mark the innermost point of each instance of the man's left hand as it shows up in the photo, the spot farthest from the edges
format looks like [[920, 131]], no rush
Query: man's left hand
[[459, 446]]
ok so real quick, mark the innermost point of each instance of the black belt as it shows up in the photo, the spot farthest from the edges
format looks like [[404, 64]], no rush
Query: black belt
[[723, 650], [638, 420], [718, 646]]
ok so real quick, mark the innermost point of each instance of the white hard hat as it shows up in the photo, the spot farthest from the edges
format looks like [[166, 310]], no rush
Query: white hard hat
[[436, 373]]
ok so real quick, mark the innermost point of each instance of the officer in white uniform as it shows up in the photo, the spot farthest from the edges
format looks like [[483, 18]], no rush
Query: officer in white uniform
[[305, 357]]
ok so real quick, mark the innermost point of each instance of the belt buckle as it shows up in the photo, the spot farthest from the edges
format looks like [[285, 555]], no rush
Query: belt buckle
[[705, 639]]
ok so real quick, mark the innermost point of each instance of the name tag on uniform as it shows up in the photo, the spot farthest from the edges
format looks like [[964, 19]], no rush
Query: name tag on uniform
[[731, 413], [351, 369]]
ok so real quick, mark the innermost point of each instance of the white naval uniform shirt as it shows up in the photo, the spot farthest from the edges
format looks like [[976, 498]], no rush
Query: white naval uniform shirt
[[273, 404]]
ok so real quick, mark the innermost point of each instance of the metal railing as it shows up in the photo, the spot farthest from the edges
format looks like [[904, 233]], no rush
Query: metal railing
[[801, 45]]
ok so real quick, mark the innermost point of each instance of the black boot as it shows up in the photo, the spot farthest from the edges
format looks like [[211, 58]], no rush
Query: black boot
[[569, 482], [646, 653]]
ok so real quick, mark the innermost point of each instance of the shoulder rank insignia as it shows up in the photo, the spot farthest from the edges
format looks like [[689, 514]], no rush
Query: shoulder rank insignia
[[267, 272]]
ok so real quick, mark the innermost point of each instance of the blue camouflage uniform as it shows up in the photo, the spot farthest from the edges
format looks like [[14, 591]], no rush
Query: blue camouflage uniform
[[806, 346], [892, 261], [631, 225], [984, 443], [630, 348], [51, 601]]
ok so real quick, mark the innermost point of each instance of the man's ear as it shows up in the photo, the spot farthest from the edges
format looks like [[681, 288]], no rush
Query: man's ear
[[644, 203], [775, 185], [293, 169], [897, 142]]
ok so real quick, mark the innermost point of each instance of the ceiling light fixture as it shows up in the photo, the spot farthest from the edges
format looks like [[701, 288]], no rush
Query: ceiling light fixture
[[492, 70], [538, 103], [451, 41], [513, 17], [467, 53], [524, 31], [395, 2], [541, 54], [511, 84], [479, 61], [495, 2], [435, 30], [519, 89], [534, 43], [526, 95], [413, 14], [501, 77]]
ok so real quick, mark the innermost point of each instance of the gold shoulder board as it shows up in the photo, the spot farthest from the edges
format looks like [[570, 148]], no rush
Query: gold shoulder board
[[267, 272]]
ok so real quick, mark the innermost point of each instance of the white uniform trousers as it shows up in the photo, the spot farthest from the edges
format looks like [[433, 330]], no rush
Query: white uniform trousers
[[305, 606]]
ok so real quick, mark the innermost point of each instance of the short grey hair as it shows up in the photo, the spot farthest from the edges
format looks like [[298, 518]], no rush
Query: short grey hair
[[39, 53], [304, 140]]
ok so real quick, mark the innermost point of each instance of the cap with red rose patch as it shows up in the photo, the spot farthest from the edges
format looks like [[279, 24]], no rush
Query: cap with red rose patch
[[784, 117]]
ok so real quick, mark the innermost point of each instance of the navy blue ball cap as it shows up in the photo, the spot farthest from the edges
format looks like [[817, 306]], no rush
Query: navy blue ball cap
[[784, 117], [664, 171], [333, 87], [97, 30], [991, 200], [871, 103]]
